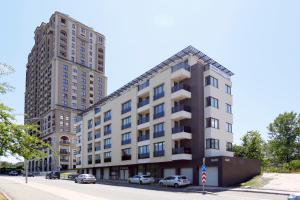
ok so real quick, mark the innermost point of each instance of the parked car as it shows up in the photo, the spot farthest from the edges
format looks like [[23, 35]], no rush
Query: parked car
[[141, 179], [29, 174], [53, 175], [85, 178], [13, 173], [294, 197], [175, 181]]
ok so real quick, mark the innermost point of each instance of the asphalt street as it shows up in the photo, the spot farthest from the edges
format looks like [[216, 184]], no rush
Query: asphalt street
[[40, 188]]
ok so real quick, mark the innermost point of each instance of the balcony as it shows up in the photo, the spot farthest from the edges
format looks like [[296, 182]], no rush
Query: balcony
[[125, 126], [181, 72], [106, 118], [107, 146], [64, 142], [158, 96], [143, 105], [128, 141], [143, 155], [143, 137], [143, 88], [143, 122], [125, 110], [180, 92], [181, 132], [107, 159], [107, 132], [97, 123], [158, 153], [181, 112], [64, 160], [126, 157], [97, 135], [158, 115], [158, 134], [181, 153], [98, 148]]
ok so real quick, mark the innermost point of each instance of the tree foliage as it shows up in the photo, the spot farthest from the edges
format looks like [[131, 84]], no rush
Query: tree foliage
[[251, 147], [15, 138], [284, 132]]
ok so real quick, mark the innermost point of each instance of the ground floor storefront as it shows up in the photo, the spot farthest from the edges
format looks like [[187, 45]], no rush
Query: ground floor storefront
[[220, 171]]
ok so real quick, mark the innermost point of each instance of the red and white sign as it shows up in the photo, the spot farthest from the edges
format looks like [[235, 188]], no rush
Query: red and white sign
[[203, 177]]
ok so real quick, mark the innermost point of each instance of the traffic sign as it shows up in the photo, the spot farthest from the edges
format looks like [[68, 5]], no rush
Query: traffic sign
[[203, 168], [203, 177]]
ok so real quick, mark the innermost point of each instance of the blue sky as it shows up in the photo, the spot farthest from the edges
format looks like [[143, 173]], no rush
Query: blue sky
[[258, 40]]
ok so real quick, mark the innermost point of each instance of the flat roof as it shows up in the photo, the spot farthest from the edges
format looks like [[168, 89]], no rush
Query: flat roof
[[190, 50]]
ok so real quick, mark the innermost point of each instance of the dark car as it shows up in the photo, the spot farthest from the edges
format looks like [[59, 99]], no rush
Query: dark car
[[13, 173], [53, 175], [29, 174]]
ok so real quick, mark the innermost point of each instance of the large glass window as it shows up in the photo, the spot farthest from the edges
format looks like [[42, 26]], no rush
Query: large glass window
[[228, 89], [212, 123], [158, 92], [158, 111], [126, 122], [159, 149], [126, 138], [229, 127], [159, 130], [107, 115], [211, 101], [126, 107], [210, 80], [228, 108], [212, 143]]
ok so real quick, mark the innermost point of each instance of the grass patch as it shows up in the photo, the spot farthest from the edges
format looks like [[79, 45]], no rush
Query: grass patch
[[255, 182], [2, 197]]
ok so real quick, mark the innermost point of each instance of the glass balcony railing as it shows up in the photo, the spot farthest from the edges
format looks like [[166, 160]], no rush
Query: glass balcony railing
[[181, 150], [181, 108], [178, 129], [178, 87]]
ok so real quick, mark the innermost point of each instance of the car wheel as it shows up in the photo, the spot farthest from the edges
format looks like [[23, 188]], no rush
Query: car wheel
[[141, 182], [176, 185], [75, 181]]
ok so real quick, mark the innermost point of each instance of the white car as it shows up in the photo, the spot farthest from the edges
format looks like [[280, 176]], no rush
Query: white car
[[85, 178], [175, 181], [294, 197], [141, 179]]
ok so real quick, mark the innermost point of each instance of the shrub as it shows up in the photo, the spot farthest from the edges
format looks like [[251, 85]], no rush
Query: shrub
[[294, 165]]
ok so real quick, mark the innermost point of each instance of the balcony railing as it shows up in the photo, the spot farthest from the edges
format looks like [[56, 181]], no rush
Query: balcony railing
[[143, 137], [179, 87], [181, 108], [107, 159], [90, 150], [158, 134], [97, 135], [97, 123], [107, 146], [143, 120], [181, 150], [63, 151], [158, 153], [125, 110], [159, 95], [143, 85], [97, 161], [64, 142], [128, 141], [106, 118], [124, 126], [126, 157], [143, 155], [181, 66], [178, 129], [107, 132], [97, 148], [158, 115], [64, 160], [90, 162], [143, 103]]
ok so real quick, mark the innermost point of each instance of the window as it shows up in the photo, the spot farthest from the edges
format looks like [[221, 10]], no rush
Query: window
[[126, 122], [158, 130], [228, 108], [212, 123], [209, 80], [212, 143], [65, 67], [90, 159], [211, 101], [97, 158], [158, 111], [107, 156], [62, 20], [126, 138], [90, 135], [126, 154], [90, 147], [143, 152], [158, 92], [90, 123], [107, 129], [126, 107], [107, 143], [228, 89], [228, 146], [229, 127], [107, 115], [159, 149]]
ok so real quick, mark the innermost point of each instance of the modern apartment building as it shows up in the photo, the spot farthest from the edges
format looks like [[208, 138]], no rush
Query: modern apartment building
[[65, 75], [162, 123]]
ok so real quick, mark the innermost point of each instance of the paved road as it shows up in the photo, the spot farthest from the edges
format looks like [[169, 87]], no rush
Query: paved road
[[282, 181], [39, 188]]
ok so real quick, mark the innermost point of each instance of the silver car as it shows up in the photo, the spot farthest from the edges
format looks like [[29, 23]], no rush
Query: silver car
[[141, 179], [294, 197], [175, 181], [85, 178]]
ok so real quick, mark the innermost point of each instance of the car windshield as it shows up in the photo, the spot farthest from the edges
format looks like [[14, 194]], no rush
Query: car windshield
[[89, 176], [182, 177], [146, 176]]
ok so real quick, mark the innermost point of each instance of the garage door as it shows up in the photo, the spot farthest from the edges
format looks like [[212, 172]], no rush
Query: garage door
[[188, 172], [98, 173], [169, 172], [106, 173], [211, 176]]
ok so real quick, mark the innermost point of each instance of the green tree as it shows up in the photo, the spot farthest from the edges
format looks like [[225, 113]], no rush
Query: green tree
[[15, 139], [251, 147], [284, 132]]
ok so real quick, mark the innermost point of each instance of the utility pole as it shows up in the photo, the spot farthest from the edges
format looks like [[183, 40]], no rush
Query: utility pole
[[26, 170]]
